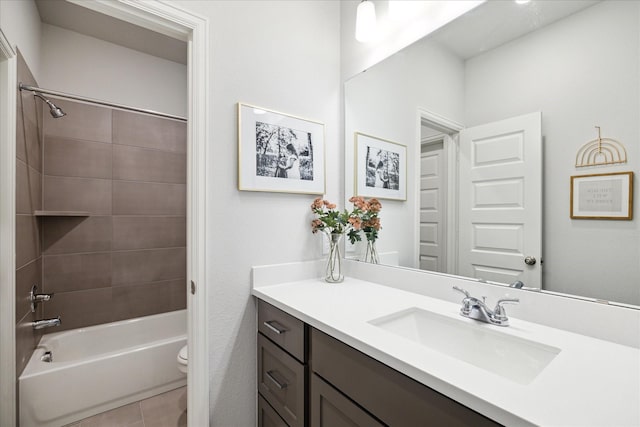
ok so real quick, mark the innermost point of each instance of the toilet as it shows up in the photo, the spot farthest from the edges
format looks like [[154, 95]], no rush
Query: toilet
[[182, 359]]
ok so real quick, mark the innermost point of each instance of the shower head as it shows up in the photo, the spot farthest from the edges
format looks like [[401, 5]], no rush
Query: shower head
[[56, 112]]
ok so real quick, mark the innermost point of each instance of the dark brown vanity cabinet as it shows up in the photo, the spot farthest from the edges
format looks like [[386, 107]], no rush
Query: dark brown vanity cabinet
[[282, 368], [330, 408], [335, 385]]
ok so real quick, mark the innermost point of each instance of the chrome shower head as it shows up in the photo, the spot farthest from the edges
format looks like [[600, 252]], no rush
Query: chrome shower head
[[56, 112]]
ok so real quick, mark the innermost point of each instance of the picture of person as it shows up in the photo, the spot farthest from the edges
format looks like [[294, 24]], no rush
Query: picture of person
[[383, 168], [292, 163], [382, 176], [283, 152], [281, 169]]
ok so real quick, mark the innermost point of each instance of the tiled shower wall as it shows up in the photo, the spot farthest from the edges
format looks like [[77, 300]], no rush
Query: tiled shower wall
[[127, 258], [28, 200]]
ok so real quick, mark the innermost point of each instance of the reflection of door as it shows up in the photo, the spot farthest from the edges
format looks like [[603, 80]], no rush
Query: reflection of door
[[501, 200], [432, 207]]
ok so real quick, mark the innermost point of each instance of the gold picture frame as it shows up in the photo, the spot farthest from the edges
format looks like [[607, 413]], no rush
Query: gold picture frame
[[279, 152], [602, 196]]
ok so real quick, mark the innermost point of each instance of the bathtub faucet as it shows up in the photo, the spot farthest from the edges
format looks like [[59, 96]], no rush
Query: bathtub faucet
[[46, 323], [35, 297]]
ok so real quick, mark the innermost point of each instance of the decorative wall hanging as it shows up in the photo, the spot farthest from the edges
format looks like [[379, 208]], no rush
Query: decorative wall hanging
[[381, 168], [279, 152], [602, 196], [601, 151]]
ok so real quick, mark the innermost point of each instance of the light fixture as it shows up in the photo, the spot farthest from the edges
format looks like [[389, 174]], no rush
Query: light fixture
[[522, 1], [365, 21]]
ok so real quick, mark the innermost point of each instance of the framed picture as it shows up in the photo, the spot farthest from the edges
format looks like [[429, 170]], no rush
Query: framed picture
[[279, 152], [602, 196], [381, 168]]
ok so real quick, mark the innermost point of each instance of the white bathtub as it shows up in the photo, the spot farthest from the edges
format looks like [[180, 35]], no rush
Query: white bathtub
[[101, 367]]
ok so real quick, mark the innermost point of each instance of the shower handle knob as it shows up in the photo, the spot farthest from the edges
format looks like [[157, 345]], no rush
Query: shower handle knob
[[530, 260]]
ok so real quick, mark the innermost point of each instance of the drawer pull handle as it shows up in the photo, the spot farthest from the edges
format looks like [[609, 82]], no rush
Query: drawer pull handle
[[281, 386], [275, 327]]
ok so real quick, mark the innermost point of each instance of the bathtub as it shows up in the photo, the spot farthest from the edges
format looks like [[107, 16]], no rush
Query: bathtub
[[102, 367]]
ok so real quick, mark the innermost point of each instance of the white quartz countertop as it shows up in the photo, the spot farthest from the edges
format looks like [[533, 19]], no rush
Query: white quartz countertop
[[591, 382]]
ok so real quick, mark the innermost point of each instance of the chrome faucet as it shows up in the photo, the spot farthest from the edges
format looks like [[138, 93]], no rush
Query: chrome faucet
[[35, 298], [473, 308], [46, 323]]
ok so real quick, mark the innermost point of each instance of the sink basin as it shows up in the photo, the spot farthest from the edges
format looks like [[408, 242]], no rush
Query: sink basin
[[483, 346]]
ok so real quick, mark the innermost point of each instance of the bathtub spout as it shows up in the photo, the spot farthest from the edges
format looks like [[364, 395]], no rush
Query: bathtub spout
[[46, 323]]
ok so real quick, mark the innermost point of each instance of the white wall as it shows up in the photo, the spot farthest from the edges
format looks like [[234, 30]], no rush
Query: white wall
[[418, 18], [580, 72], [20, 23], [82, 65], [384, 102], [285, 56]]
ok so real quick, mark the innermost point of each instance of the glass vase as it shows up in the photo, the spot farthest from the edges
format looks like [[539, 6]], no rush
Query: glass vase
[[333, 272], [371, 254]]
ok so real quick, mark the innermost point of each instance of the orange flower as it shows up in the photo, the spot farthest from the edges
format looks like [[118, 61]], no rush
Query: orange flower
[[375, 205], [329, 205], [316, 225], [317, 203], [359, 203], [355, 222], [373, 223]]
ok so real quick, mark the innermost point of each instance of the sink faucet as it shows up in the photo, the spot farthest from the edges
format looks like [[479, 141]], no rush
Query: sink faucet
[[473, 308]]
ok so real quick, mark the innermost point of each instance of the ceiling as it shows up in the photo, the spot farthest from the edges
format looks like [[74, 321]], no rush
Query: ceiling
[[497, 22], [94, 24]]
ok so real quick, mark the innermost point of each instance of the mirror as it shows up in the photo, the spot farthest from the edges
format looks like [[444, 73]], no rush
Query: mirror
[[577, 63]]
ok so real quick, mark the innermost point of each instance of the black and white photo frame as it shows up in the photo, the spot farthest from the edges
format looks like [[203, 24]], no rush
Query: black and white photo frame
[[381, 168], [279, 152]]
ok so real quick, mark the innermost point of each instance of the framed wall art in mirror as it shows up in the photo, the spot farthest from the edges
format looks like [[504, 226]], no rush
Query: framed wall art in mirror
[[602, 196], [278, 152], [381, 168]]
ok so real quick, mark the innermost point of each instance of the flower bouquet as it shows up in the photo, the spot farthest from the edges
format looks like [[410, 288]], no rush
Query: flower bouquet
[[334, 224], [366, 211]]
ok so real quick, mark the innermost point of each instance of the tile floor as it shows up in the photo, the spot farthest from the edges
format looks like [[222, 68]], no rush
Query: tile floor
[[164, 410]]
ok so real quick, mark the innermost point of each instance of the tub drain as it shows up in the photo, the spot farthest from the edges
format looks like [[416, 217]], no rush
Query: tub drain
[[47, 357]]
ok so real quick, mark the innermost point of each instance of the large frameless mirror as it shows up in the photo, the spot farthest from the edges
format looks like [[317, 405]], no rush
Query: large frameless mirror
[[492, 109]]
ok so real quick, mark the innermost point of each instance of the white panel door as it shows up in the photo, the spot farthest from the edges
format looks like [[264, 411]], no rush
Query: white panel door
[[500, 212], [432, 208]]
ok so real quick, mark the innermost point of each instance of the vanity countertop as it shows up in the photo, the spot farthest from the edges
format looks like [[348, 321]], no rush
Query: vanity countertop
[[591, 382]]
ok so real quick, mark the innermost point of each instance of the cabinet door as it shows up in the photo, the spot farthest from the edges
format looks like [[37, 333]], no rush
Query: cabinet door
[[281, 381], [330, 408], [267, 416], [389, 395]]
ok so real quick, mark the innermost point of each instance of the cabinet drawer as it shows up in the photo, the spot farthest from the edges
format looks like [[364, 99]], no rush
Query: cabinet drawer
[[281, 381], [389, 395], [330, 408], [267, 416], [283, 329]]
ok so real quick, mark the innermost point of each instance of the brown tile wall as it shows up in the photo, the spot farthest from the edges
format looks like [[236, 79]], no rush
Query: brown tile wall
[[28, 199], [128, 258]]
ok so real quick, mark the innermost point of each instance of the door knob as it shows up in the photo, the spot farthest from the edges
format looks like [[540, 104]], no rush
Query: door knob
[[530, 260]]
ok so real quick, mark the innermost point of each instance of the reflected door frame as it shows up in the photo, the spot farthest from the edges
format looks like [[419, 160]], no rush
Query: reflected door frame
[[450, 128]]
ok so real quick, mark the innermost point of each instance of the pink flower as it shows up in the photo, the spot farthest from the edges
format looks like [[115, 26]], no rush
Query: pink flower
[[373, 223], [355, 222], [374, 205], [317, 204]]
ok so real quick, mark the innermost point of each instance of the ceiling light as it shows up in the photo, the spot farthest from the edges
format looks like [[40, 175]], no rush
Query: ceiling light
[[522, 1], [365, 21]]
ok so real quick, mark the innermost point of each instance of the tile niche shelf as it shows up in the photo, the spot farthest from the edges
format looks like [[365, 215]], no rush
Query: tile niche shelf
[[60, 213]]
